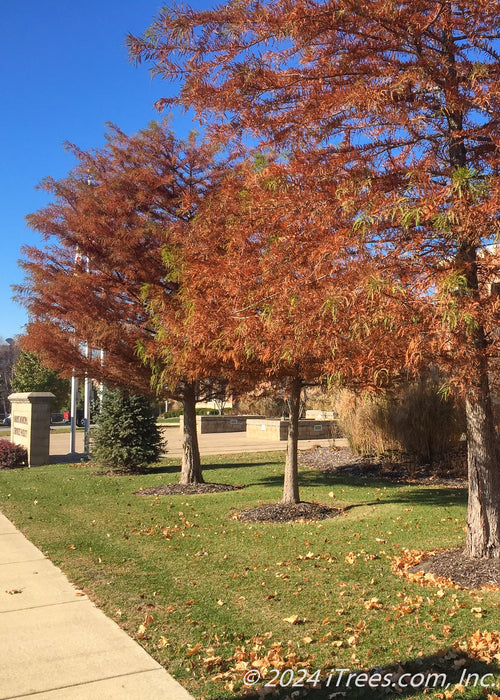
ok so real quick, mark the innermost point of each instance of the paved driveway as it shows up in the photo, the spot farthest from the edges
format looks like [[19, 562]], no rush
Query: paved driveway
[[210, 443]]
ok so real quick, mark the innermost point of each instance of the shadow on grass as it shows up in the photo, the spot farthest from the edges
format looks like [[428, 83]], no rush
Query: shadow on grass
[[176, 469], [390, 492], [407, 679]]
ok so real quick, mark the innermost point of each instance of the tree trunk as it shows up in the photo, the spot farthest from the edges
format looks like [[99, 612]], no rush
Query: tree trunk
[[483, 510], [291, 484], [190, 466]]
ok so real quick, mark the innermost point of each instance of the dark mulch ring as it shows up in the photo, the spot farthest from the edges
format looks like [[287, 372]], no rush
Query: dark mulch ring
[[467, 573], [449, 471], [186, 489], [285, 513]]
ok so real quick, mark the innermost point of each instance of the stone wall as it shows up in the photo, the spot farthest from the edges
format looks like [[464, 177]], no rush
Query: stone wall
[[219, 424], [276, 429]]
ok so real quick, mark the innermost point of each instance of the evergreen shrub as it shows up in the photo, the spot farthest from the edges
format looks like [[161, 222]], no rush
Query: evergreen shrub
[[125, 436]]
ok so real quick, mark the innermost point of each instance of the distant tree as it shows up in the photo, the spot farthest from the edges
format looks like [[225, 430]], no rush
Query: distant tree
[[31, 374], [126, 436], [9, 350], [124, 225]]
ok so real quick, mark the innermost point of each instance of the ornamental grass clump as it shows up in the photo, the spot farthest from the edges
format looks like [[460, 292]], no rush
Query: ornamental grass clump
[[126, 437], [420, 422], [12, 456]]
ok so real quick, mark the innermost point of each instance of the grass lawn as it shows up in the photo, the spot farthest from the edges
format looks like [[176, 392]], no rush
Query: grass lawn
[[210, 597]]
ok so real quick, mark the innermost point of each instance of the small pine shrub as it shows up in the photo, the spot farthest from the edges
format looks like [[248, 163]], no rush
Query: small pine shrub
[[125, 437], [12, 456]]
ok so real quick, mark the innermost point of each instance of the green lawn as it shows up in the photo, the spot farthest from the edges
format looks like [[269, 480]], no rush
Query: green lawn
[[209, 596]]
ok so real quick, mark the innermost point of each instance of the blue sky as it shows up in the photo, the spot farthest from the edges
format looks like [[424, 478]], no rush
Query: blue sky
[[64, 73]]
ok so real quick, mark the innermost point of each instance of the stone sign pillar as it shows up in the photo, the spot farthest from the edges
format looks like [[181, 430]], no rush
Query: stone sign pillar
[[30, 424]]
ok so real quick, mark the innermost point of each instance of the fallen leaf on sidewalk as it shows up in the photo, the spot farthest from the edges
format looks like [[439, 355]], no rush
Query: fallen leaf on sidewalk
[[14, 591]]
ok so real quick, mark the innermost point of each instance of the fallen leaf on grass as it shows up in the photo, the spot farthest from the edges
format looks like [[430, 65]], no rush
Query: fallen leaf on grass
[[195, 650], [484, 646], [293, 619], [141, 632], [212, 662], [401, 565]]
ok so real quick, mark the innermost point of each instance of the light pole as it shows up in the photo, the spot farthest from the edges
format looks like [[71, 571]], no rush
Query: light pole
[[74, 396]]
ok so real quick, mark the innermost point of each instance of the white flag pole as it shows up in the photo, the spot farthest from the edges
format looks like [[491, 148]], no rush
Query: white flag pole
[[101, 385], [87, 391], [74, 394], [86, 407]]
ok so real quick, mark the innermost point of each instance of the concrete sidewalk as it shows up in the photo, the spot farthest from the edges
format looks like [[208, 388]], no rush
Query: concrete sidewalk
[[54, 643]]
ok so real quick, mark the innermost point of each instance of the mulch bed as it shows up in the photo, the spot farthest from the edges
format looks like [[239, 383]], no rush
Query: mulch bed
[[342, 461], [186, 489], [467, 573], [285, 513]]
